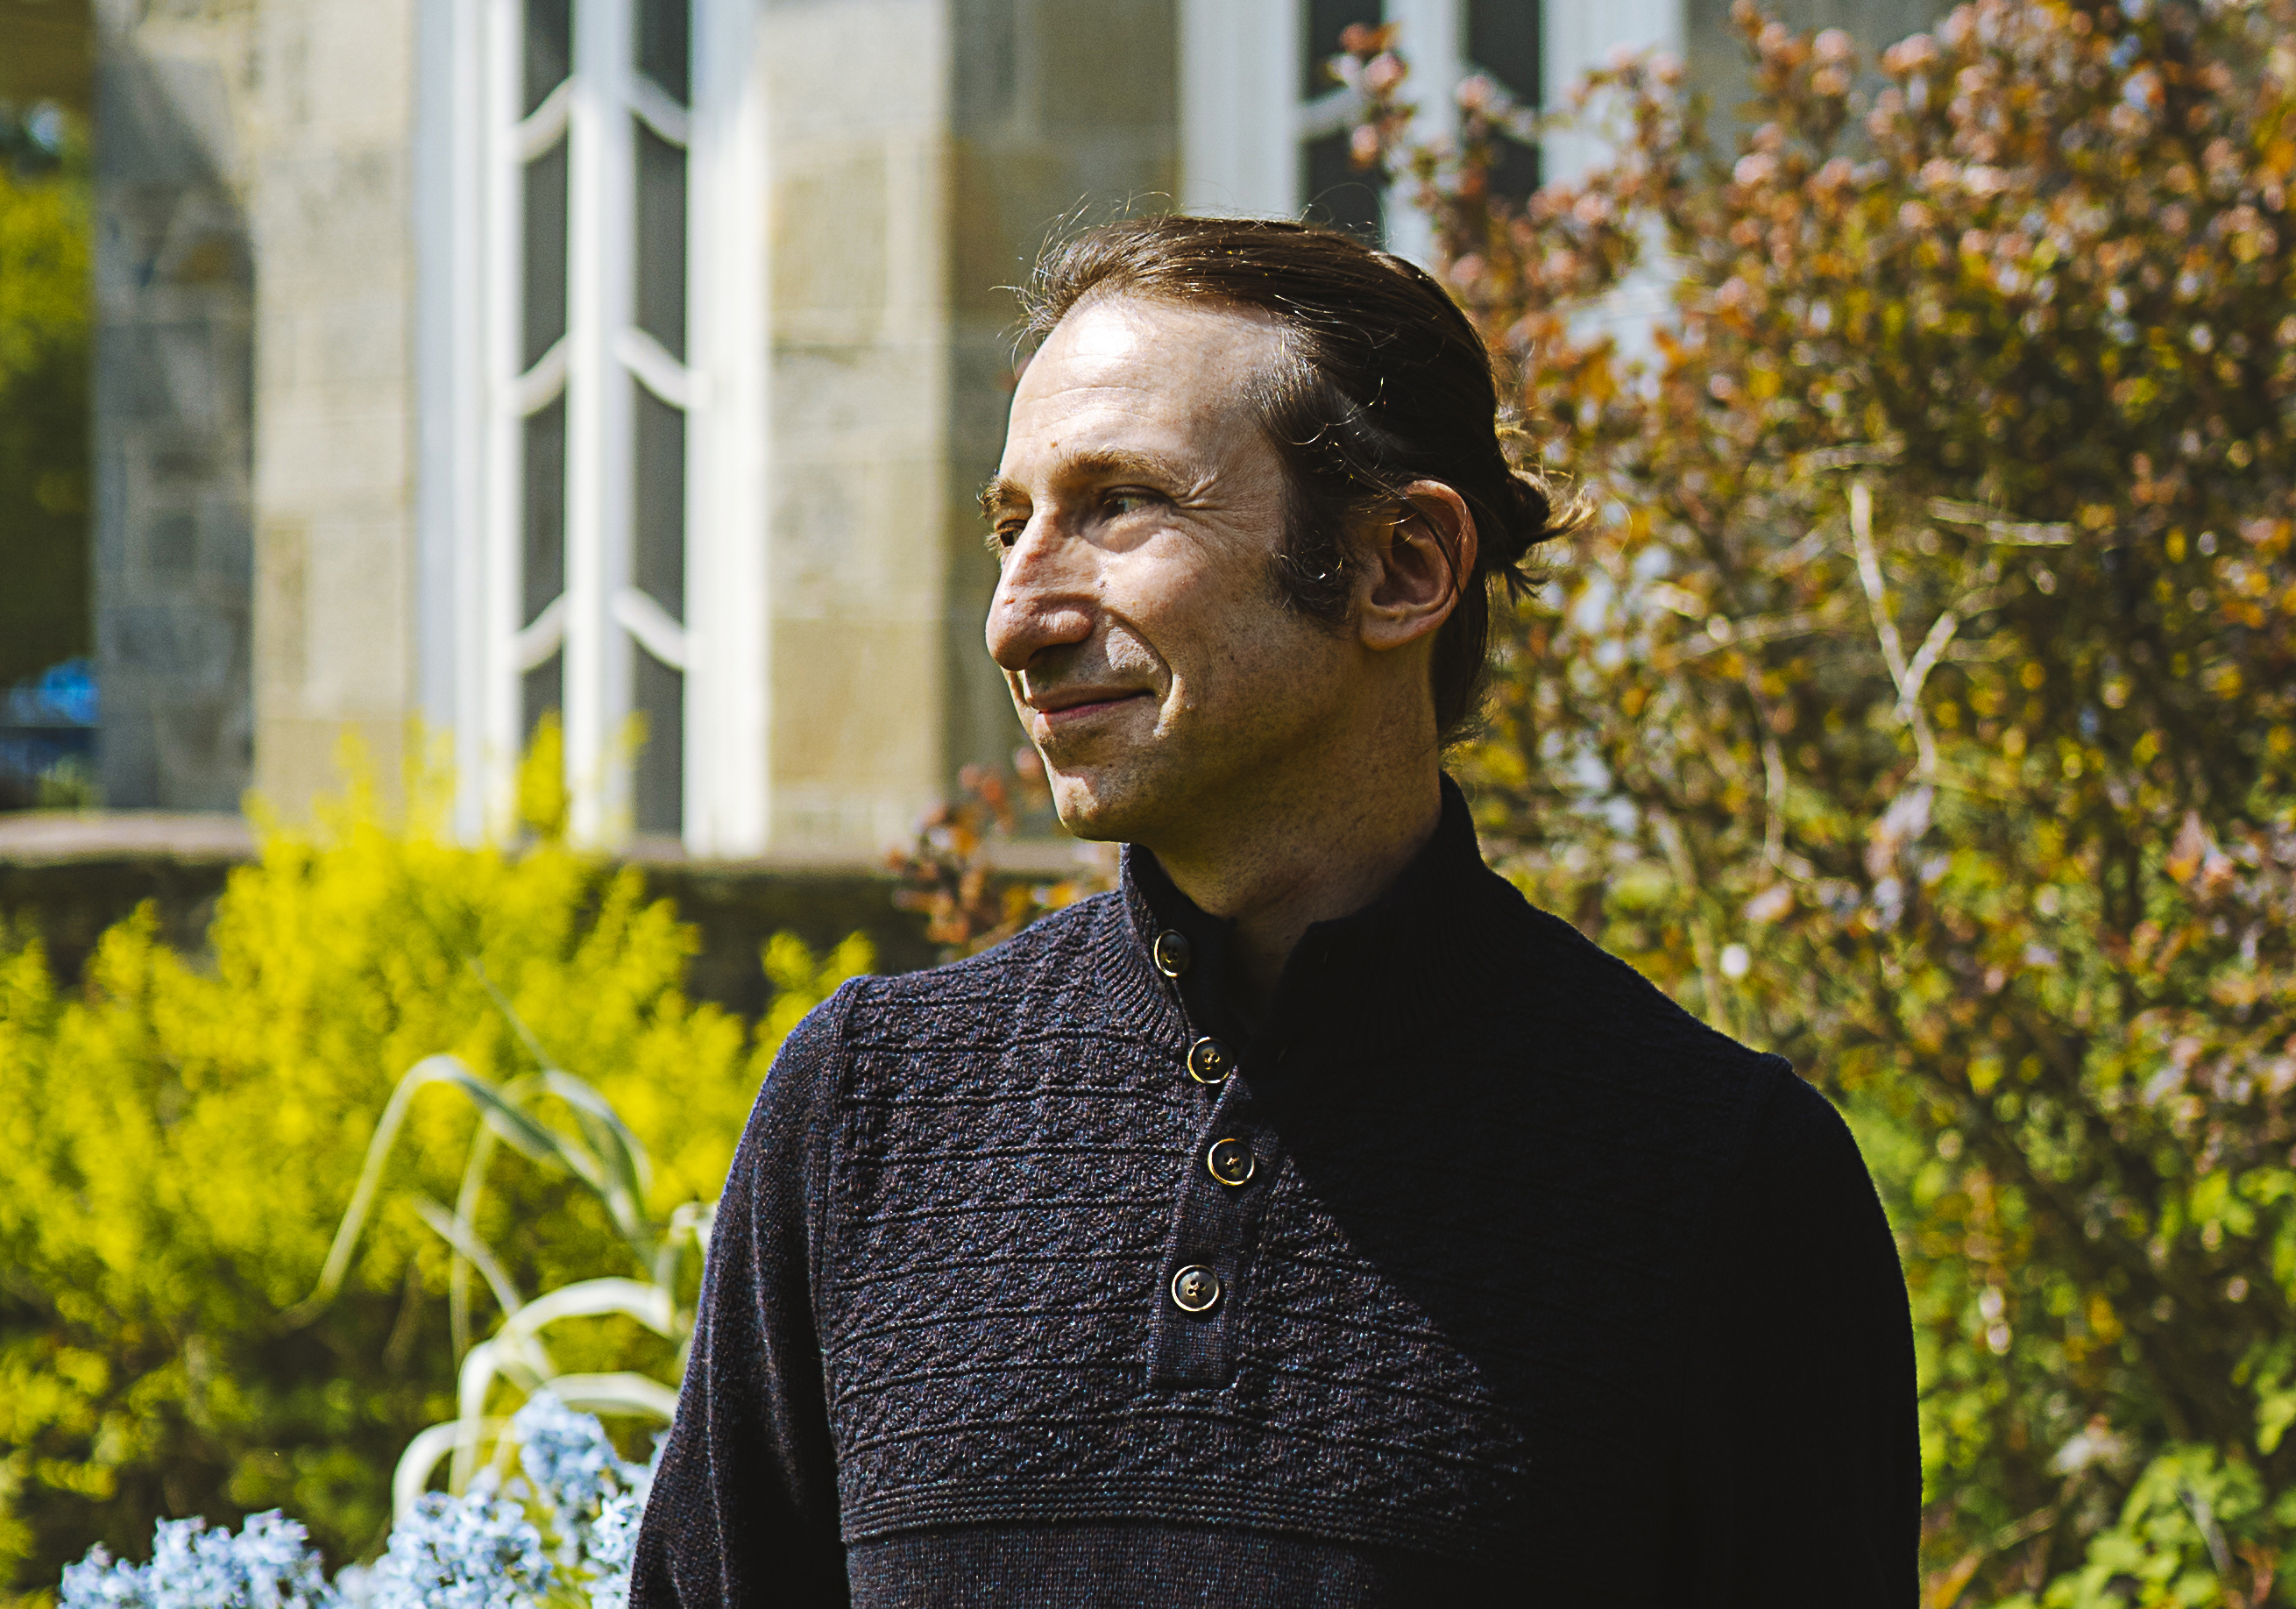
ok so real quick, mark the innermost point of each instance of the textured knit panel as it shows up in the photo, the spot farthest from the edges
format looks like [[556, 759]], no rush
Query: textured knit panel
[[1001, 1194]]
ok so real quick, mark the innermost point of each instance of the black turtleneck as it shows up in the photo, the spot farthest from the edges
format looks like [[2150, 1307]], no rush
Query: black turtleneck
[[1472, 1268]]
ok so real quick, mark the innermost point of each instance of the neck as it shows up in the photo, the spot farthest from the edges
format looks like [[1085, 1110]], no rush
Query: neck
[[1325, 853]]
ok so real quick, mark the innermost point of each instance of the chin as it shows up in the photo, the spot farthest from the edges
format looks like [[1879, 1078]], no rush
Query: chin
[[1095, 808]]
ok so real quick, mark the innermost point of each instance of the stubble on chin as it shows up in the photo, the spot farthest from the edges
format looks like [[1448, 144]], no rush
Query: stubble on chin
[[1094, 804]]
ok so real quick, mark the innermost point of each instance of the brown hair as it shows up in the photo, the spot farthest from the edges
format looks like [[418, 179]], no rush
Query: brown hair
[[1383, 382]]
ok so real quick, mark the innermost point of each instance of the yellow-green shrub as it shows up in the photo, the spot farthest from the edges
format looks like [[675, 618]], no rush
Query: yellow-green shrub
[[181, 1140]]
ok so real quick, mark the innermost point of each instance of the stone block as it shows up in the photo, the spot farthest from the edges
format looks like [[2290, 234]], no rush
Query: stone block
[[857, 538], [857, 705], [855, 67], [304, 759], [828, 227], [358, 637], [852, 394], [190, 647]]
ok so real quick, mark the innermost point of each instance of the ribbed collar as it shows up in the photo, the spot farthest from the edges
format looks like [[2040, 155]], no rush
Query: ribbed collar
[[1403, 963]]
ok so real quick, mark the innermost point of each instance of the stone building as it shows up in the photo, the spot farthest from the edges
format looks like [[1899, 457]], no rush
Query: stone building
[[462, 361]]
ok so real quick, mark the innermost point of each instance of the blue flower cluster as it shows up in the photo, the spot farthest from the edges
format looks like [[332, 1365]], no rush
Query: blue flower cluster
[[591, 1495], [476, 1551], [268, 1565], [482, 1550]]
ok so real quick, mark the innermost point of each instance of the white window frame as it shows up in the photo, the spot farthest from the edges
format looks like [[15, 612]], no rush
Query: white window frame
[[474, 401], [1243, 124]]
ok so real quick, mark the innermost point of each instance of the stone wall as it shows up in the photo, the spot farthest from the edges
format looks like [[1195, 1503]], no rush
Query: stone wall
[[330, 211], [66, 879], [855, 228], [174, 351]]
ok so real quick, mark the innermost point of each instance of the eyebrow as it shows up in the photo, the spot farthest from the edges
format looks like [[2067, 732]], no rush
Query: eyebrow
[[1108, 463], [998, 496]]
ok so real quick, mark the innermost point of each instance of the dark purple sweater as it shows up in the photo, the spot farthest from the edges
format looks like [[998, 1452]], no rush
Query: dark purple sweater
[[1514, 1284]]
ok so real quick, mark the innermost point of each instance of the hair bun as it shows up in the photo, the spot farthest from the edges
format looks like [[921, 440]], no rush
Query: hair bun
[[1532, 517]]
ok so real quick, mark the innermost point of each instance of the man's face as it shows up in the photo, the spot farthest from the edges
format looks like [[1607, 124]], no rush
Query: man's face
[[1138, 511]]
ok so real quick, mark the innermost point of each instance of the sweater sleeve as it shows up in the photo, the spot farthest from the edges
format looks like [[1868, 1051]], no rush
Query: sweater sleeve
[[1800, 1482], [744, 1504]]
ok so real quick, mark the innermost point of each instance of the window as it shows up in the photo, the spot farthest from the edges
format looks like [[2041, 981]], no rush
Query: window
[[1301, 164], [1298, 163], [591, 524], [596, 393]]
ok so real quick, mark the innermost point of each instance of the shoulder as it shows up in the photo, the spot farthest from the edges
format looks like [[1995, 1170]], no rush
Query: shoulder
[[1050, 967], [801, 1084], [1597, 1009]]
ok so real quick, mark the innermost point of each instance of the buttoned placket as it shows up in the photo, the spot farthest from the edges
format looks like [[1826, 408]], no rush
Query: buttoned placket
[[1222, 1181]]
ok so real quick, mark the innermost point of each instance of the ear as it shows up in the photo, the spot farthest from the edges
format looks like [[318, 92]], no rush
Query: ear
[[1418, 555]]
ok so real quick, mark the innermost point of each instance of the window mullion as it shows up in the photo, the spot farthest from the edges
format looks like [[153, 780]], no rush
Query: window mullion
[[597, 654], [502, 497]]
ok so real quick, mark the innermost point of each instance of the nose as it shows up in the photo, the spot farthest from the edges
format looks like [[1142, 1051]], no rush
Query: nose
[[1043, 599]]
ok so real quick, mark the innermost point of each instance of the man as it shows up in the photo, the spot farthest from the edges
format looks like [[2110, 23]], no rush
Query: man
[[1311, 1221]]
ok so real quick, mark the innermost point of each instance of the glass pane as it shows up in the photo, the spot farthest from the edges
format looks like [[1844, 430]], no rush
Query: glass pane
[[659, 563], [1503, 41], [1338, 194], [549, 50], [541, 692], [658, 791], [542, 573], [543, 317], [1325, 20], [662, 241], [664, 51], [1514, 170]]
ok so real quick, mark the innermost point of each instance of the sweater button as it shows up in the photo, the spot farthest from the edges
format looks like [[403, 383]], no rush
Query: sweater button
[[1173, 952], [1195, 1290], [1230, 1162], [1209, 1062]]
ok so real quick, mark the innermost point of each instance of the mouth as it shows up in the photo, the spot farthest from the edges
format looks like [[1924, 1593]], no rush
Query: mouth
[[1065, 706]]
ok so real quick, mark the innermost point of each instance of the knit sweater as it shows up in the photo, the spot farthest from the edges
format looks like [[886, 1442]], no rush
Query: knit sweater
[[1472, 1268]]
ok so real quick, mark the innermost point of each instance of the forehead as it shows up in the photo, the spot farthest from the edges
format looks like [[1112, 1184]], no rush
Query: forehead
[[1133, 373]]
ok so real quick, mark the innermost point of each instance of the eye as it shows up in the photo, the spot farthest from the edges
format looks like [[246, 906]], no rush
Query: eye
[[1129, 500], [1006, 527]]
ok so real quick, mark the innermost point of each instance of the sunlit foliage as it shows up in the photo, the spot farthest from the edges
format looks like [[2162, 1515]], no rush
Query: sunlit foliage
[[1921, 706], [183, 1135]]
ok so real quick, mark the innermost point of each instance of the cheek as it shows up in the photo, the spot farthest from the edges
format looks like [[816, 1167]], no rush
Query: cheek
[[1191, 620]]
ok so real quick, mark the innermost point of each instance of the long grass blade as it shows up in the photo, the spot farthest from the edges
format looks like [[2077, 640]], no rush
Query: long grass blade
[[456, 1233], [517, 1023], [466, 1212], [649, 1304], [621, 1392], [624, 1171], [412, 1473], [431, 1069]]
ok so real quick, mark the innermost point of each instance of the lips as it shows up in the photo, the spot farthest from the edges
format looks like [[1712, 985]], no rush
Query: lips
[[1059, 708]]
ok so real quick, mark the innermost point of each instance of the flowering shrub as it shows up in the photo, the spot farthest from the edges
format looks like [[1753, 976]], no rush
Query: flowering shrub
[[950, 876], [268, 1565], [1924, 704], [563, 1533]]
